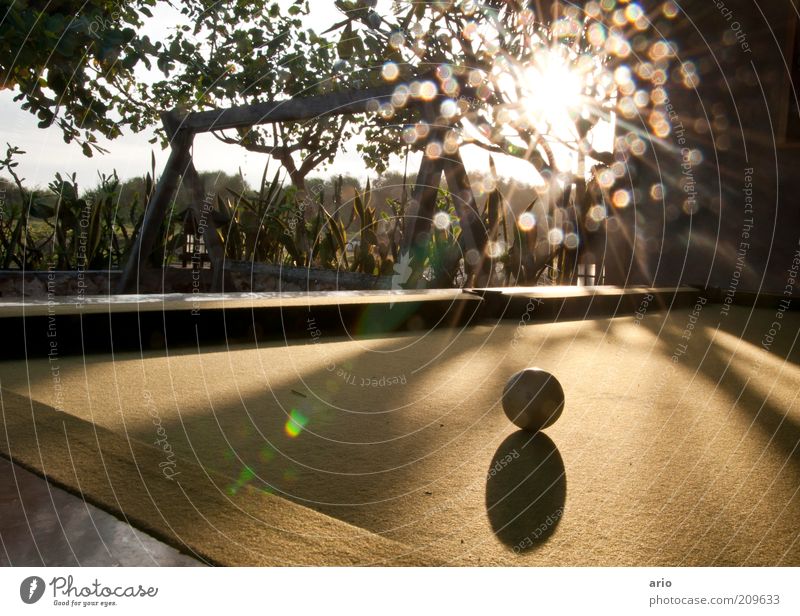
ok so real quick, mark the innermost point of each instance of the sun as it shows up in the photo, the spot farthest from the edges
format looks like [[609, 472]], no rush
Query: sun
[[552, 92]]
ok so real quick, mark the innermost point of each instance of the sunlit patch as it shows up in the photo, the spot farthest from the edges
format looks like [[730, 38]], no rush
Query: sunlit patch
[[555, 237], [688, 72], [427, 90], [390, 71], [475, 78], [594, 217], [658, 96], [433, 149], [571, 240], [295, 424], [670, 9], [638, 147], [695, 157], [441, 220], [621, 198], [659, 124], [606, 178], [495, 250], [526, 221], [397, 40], [386, 111], [597, 213], [690, 206], [246, 475], [657, 192], [400, 96], [448, 108]]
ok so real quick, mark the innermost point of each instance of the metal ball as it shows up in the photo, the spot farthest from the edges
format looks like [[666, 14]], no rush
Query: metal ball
[[533, 399]]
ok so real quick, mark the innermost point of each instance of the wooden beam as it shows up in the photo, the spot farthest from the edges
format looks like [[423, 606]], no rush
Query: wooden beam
[[306, 108], [292, 110]]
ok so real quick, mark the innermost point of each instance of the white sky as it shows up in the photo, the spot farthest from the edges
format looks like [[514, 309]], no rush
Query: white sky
[[46, 153]]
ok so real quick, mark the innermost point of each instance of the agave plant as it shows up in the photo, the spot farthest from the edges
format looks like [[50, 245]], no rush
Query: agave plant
[[275, 224], [66, 229]]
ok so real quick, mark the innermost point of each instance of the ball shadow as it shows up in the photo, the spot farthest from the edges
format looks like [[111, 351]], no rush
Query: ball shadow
[[526, 488]]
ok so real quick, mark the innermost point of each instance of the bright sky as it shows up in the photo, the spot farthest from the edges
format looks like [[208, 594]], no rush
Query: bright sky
[[129, 155]]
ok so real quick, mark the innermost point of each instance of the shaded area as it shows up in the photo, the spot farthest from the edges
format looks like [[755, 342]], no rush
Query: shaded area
[[178, 321], [124, 476], [526, 489], [42, 525]]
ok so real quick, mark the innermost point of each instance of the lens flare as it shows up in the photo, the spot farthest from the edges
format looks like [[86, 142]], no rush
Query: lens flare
[[246, 475], [441, 220], [526, 221], [295, 424]]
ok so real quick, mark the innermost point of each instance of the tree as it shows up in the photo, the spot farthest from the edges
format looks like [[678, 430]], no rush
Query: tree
[[242, 53], [72, 63], [531, 79], [498, 62]]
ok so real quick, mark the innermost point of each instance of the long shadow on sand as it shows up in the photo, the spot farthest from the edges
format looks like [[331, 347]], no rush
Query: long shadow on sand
[[526, 489]]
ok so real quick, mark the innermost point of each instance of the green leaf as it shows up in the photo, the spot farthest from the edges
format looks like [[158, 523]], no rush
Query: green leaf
[[345, 45], [41, 210]]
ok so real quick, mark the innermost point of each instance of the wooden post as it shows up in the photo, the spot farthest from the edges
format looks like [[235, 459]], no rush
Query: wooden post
[[473, 232], [157, 207], [203, 217], [423, 203]]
